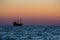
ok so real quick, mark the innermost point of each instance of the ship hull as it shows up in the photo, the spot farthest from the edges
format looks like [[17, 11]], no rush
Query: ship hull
[[16, 24]]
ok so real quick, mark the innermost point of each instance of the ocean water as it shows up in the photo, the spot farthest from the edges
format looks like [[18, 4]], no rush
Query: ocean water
[[29, 32]]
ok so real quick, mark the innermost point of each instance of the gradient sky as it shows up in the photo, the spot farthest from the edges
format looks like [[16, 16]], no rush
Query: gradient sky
[[33, 12]]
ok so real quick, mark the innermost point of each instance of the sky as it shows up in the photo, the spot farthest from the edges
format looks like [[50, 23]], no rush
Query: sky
[[32, 12]]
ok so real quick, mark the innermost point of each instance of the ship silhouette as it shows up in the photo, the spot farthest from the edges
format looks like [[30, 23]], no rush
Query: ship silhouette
[[17, 23]]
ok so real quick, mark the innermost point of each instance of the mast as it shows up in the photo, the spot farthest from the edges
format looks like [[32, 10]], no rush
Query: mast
[[20, 20]]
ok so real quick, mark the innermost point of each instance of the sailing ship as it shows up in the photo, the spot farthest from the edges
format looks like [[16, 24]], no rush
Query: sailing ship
[[17, 23]]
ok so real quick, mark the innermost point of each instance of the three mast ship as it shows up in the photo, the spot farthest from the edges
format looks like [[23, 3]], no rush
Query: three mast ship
[[17, 23]]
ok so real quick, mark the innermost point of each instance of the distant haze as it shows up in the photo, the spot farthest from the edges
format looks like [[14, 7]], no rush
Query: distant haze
[[33, 12]]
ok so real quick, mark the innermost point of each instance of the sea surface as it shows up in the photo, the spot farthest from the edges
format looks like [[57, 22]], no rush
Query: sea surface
[[29, 32]]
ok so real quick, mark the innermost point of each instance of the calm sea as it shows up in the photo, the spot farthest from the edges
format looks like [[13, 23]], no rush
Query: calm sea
[[29, 32]]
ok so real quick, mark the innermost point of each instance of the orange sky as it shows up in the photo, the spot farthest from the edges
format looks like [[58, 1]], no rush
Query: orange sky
[[43, 11]]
